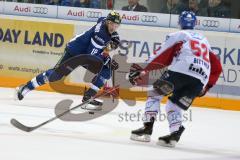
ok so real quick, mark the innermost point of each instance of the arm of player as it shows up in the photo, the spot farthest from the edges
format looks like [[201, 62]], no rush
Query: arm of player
[[216, 69], [163, 57], [114, 42], [95, 47], [165, 54]]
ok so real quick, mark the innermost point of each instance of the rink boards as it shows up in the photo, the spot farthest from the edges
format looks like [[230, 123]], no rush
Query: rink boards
[[29, 46]]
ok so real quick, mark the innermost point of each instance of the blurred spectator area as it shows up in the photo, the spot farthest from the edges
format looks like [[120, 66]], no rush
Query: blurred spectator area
[[72, 3], [134, 5], [120, 4], [210, 8], [219, 8]]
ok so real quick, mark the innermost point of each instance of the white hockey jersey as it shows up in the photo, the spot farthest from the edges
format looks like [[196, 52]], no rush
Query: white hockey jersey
[[185, 51]]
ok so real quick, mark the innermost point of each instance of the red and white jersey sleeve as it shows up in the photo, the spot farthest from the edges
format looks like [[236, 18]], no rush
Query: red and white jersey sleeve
[[185, 52], [216, 69]]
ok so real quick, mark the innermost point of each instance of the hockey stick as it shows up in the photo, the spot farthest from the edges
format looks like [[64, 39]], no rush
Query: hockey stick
[[113, 82], [25, 128]]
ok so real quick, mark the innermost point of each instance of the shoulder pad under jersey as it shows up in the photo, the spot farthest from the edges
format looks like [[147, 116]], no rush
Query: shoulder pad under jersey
[[101, 19]]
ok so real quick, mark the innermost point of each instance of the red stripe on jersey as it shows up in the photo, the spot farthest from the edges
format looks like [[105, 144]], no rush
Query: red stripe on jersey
[[165, 58], [216, 69], [155, 52]]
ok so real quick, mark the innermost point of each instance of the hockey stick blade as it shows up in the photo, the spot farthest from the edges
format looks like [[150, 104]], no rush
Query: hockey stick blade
[[20, 126]]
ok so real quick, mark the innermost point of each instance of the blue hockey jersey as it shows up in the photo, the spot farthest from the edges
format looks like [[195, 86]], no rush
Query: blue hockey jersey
[[92, 41]]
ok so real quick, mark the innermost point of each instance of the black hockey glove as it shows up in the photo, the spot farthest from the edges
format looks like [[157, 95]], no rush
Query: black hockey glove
[[205, 90], [134, 74], [111, 63], [115, 40], [114, 65]]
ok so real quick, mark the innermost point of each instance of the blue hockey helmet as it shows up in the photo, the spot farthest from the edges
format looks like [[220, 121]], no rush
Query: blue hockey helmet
[[187, 20]]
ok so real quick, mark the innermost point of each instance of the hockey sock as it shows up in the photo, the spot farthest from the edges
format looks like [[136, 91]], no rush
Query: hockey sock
[[152, 108], [37, 81], [174, 116]]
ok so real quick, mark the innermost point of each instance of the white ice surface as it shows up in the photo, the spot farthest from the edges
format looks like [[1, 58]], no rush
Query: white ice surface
[[211, 135]]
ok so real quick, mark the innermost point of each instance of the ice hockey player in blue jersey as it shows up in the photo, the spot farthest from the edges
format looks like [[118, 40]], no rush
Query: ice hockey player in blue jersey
[[92, 42]]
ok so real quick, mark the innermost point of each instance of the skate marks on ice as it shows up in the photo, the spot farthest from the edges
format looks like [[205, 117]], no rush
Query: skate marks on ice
[[181, 152], [107, 132], [116, 135], [120, 137]]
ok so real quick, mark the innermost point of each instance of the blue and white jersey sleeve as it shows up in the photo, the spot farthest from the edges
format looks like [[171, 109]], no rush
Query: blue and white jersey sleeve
[[92, 41], [100, 38]]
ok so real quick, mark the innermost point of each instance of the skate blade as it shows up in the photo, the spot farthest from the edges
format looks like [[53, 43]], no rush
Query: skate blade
[[15, 96], [143, 138], [172, 144], [91, 107]]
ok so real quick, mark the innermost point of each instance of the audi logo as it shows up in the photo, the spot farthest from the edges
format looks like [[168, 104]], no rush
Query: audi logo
[[93, 14], [210, 23], [148, 18], [40, 10]]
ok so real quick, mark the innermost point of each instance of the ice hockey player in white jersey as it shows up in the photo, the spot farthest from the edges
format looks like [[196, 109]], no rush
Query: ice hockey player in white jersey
[[193, 69]]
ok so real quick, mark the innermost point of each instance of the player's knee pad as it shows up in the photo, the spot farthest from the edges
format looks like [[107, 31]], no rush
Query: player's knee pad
[[174, 115], [163, 87], [53, 76]]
